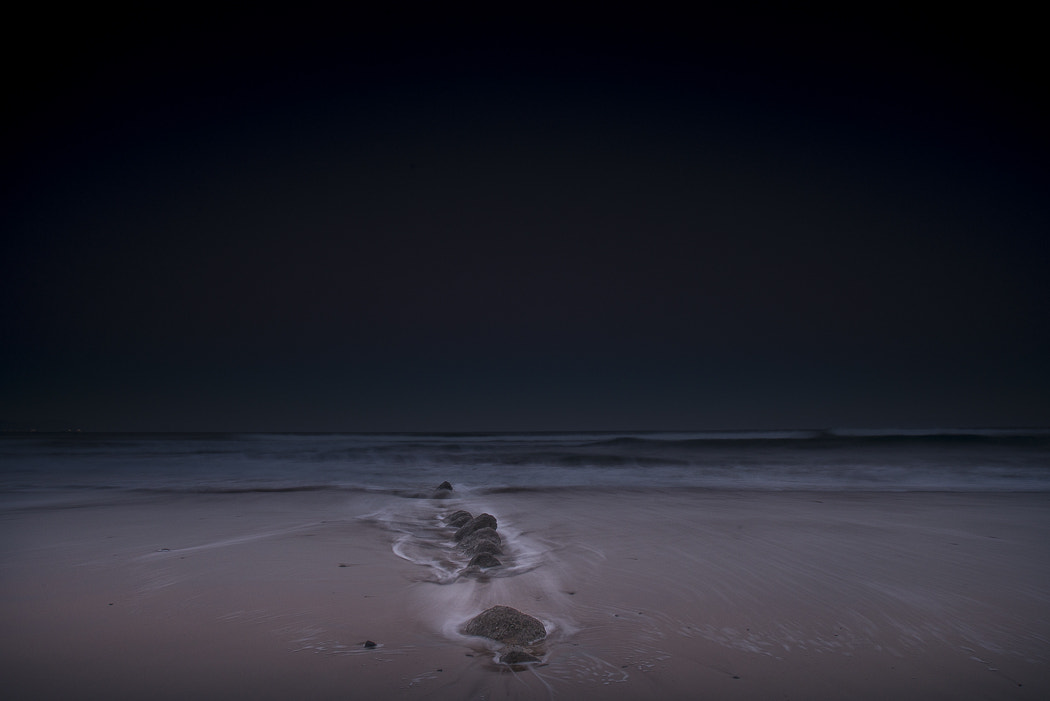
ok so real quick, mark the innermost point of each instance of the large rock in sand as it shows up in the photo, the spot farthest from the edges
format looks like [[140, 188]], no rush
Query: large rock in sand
[[484, 561], [458, 518], [476, 523], [506, 625], [483, 540]]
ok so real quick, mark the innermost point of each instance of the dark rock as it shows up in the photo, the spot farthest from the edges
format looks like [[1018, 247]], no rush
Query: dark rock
[[516, 655], [484, 546], [457, 518], [445, 486], [483, 540], [478, 522], [506, 625], [369, 644], [484, 561]]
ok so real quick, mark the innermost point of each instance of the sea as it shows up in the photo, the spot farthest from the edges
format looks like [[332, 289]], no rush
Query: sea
[[413, 464]]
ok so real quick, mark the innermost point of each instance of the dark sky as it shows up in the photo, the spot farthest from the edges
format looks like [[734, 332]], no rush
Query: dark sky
[[359, 223]]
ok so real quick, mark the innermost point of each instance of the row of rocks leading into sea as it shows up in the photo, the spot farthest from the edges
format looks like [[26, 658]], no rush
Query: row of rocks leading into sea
[[519, 632]]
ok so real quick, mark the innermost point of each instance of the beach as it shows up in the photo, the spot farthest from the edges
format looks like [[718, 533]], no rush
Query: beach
[[645, 593]]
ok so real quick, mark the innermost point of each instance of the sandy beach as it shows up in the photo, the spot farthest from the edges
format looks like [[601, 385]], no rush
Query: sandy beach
[[659, 594]]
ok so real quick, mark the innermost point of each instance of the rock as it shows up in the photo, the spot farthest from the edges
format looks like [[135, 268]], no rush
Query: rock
[[516, 655], [445, 486], [506, 625], [484, 546], [369, 644], [457, 518], [484, 561], [478, 522], [483, 540], [443, 491]]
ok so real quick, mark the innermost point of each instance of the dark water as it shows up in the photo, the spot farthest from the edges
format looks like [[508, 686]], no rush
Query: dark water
[[998, 460]]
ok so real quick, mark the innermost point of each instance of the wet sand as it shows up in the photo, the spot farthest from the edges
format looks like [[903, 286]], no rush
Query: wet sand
[[645, 594]]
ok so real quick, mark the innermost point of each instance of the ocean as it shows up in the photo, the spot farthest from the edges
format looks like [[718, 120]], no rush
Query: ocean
[[409, 464]]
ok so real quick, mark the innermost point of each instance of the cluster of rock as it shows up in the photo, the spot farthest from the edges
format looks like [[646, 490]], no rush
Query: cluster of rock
[[518, 632], [477, 536]]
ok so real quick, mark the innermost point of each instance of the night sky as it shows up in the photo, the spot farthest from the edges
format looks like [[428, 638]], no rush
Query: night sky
[[232, 222]]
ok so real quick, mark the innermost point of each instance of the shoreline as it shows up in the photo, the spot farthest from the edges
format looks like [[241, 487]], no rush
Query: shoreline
[[735, 595]]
